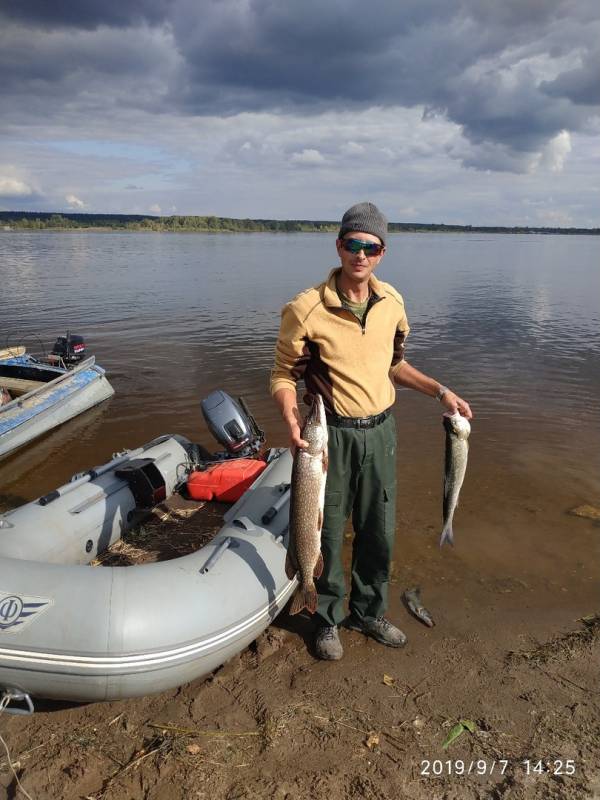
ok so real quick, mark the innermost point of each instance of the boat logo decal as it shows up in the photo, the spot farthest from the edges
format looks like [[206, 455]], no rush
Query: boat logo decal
[[18, 611]]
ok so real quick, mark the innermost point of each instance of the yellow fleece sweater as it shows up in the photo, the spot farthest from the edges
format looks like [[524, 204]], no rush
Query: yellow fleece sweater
[[350, 364]]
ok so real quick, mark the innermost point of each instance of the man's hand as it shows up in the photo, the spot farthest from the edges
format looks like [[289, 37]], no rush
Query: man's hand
[[296, 439], [453, 403]]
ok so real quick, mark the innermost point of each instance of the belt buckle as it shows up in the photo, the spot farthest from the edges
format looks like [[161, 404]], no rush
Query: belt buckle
[[365, 422]]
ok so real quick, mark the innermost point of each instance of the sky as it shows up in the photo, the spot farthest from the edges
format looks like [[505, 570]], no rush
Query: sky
[[482, 112]]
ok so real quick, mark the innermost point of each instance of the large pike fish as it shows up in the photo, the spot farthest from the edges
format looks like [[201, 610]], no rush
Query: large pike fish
[[307, 496], [457, 451]]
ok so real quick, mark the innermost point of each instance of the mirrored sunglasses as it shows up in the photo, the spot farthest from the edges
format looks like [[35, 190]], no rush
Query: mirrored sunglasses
[[356, 245]]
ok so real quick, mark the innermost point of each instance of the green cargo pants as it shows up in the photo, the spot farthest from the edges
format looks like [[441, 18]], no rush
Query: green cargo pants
[[361, 480]]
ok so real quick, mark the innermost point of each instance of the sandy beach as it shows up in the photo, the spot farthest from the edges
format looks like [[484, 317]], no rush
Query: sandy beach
[[276, 723]]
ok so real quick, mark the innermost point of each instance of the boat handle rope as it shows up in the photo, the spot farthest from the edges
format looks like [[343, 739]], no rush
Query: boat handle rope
[[7, 696], [16, 695]]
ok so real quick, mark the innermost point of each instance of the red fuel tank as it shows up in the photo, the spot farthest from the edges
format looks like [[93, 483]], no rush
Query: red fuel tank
[[226, 481]]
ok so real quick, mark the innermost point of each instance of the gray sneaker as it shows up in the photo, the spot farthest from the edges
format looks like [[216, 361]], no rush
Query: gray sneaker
[[379, 629], [327, 643]]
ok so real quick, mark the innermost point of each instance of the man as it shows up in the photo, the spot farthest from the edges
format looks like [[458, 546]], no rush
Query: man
[[345, 338]]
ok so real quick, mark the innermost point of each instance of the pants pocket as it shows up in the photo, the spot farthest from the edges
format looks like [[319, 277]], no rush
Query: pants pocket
[[333, 504], [389, 509]]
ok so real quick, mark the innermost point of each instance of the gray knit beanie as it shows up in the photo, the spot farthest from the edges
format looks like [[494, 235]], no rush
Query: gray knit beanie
[[364, 217]]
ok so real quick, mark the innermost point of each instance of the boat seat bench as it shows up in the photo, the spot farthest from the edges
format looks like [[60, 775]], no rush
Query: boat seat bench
[[19, 386]]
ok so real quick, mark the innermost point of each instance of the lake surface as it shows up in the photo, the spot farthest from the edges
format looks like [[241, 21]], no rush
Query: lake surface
[[512, 323]]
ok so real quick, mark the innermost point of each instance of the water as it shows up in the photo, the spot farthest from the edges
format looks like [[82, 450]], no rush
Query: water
[[509, 322]]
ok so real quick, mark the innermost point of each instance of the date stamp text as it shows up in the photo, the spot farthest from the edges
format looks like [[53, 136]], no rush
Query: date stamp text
[[481, 766]]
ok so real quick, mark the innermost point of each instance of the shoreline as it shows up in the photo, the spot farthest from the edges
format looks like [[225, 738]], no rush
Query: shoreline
[[67, 221], [108, 229]]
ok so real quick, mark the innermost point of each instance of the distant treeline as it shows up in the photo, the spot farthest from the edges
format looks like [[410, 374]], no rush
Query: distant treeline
[[135, 222], [38, 220]]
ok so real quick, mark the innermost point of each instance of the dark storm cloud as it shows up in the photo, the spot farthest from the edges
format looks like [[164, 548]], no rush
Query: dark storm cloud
[[482, 64], [267, 54], [581, 85], [86, 14], [61, 77], [512, 74]]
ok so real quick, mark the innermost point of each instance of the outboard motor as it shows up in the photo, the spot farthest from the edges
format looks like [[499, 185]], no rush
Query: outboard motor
[[69, 349], [225, 476], [232, 425]]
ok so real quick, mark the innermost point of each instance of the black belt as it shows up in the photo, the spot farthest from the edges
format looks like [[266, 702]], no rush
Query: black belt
[[357, 422]]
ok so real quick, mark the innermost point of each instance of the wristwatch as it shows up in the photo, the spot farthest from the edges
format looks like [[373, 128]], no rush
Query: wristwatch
[[441, 392]]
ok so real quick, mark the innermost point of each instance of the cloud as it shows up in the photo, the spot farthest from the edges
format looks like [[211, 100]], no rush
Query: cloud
[[514, 76], [88, 15], [580, 85], [352, 149], [155, 209], [554, 218], [15, 188], [74, 202], [556, 152], [226, 95], [309, 157], [64, 75], [506, 76]]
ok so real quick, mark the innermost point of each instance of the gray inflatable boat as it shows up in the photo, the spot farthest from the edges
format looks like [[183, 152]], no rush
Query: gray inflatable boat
[[72, 631]]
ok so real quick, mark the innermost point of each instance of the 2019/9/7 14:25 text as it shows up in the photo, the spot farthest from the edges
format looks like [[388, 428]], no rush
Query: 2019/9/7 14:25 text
[[481, 766]]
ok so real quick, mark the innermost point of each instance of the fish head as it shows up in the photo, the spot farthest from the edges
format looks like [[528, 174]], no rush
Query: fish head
[[457, 425], [314, 429]]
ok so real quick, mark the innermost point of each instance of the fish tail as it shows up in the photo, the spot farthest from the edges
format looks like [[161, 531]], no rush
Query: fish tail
[[447, 536], [304, 597]]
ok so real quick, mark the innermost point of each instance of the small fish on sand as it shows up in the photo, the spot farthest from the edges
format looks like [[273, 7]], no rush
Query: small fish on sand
[[457, 429], [412, 599], [307, 498]]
